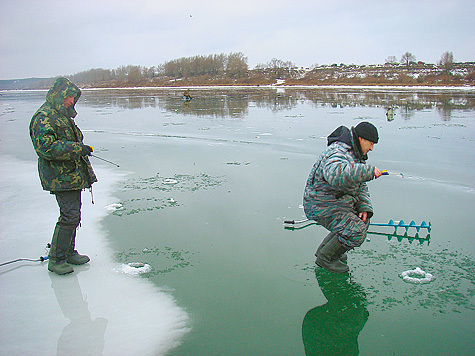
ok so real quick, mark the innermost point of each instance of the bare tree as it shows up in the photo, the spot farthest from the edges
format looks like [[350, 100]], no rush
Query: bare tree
[[446, 61], [391, 60], [279, 68], [407, 58]]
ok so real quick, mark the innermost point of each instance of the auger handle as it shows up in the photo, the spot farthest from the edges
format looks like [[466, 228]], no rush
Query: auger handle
[[294, 222]]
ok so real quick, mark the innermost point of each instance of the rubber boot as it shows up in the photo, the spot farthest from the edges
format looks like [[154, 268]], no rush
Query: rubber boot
[[73, 257], [328, 256], [343, 257], [57, 253]]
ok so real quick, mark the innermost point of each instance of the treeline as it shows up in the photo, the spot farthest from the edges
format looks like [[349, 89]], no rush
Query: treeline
[[233, 69], [216, 67], [233, 65]]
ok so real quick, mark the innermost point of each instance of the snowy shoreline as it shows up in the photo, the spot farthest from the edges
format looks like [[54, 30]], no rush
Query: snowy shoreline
[[272, 86], [95, 309]]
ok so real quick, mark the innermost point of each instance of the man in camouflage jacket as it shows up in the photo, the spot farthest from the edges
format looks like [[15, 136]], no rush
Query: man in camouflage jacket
[[63, 167], [336, 195]]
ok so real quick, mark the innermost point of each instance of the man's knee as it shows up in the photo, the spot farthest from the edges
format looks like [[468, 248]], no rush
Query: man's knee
[[351, 230], [357, 233], [69, 221]]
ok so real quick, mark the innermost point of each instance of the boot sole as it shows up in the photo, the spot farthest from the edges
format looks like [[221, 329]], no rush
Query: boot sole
[[61, 274], [77, 263], [329, 270]]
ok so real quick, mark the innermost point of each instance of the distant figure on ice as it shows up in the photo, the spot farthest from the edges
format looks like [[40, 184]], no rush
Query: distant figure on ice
[[390, 114], [336, 195], [64, 169], [187, 96]]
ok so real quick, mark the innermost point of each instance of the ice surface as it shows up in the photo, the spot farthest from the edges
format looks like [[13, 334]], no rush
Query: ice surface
[[92, 311], [220, 249]]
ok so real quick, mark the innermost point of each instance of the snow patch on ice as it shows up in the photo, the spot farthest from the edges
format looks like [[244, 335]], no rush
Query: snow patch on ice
[[417, 276], [134, 268], [169, 181], [114, 207]]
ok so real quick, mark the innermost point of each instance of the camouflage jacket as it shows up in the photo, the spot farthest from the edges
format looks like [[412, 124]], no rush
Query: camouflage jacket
[[58, 143], [337, 180]]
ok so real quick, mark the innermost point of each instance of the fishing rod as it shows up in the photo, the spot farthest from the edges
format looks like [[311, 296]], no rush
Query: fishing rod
[[386, 173], [102, 159]]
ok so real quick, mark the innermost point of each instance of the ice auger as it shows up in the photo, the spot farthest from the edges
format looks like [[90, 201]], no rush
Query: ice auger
[[301, 224]]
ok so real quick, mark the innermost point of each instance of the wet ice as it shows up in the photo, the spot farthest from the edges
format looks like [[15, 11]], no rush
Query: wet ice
[[215, 238]]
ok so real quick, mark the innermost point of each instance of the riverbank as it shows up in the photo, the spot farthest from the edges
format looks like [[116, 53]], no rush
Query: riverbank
[[417, 75], [438, 88]]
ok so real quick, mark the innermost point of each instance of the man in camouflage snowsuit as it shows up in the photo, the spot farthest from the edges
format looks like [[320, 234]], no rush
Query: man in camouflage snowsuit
[[336, 195], [63, 167]]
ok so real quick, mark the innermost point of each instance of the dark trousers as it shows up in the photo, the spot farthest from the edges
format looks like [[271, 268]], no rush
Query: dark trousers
[[64, 236], [69, 209]]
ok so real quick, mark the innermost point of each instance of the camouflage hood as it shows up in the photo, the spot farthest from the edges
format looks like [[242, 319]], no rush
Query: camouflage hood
[[348, 136], [61, 89], [62, 162]]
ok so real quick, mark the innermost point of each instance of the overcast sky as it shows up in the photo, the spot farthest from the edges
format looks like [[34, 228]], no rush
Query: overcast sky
[[45, 38]]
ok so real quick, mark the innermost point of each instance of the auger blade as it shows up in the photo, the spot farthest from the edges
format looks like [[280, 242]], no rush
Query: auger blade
[[402, 224]]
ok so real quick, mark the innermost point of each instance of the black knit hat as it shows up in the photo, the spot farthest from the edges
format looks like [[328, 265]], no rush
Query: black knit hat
[[367, 131]]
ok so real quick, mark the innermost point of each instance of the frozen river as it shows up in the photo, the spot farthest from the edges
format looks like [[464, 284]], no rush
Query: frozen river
[[189, 255]]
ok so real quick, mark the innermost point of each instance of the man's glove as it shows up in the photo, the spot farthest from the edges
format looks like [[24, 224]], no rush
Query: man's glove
[[86, 150]]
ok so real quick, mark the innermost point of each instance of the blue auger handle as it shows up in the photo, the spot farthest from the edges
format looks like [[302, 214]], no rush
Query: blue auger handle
[[401, 223]]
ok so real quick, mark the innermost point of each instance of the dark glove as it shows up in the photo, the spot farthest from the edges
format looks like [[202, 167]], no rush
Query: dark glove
[[86, 150]]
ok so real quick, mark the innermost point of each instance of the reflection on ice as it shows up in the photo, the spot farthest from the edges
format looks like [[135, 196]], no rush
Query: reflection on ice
[[82, 335], [333, 328], [234, 102], [92, 311]]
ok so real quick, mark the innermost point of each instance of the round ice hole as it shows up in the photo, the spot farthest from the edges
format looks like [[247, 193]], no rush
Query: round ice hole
[[417, 276], [170, 181]]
